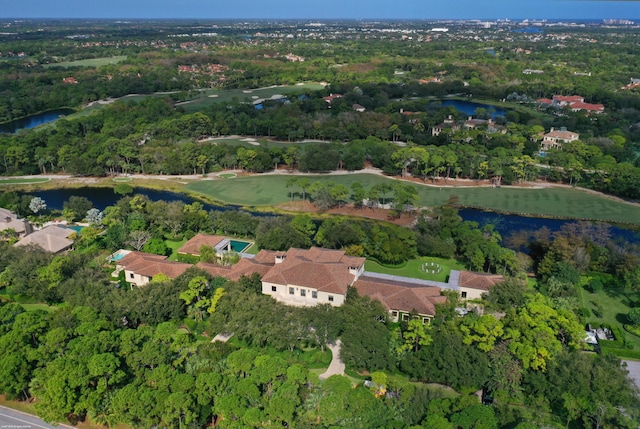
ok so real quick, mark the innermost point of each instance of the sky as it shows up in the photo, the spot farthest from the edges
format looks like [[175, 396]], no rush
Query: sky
[[322, 9]]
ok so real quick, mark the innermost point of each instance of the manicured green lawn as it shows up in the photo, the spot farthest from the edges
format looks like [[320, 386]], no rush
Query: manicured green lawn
[[614, 304], [413, 268], [268, 190], [91, 62], [174, 246], [226, 95], [32, 307], [228, 175], [19, 181]]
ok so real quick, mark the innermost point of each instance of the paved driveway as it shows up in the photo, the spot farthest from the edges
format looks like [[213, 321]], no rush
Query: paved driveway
[[634, 371]]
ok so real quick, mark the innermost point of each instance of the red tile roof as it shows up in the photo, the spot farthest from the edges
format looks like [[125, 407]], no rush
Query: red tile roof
[[149, 265], [322, 269], [192, 247], [244, 267], [403, 297], [478, 281]]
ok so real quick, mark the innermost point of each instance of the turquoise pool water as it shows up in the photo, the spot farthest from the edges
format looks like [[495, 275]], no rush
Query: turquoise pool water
[[239, 246], [76, 228]]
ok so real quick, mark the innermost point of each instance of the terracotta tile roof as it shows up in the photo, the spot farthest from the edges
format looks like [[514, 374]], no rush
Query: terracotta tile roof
[[568, 98], [562, 135], [149, 265], [245, 267], [267, 257], [478, 281], [192, 247], [329, 277], [405, 297]]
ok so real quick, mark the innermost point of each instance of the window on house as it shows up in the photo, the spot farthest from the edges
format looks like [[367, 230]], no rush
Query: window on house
[[405, 317], [291, 291], [314, 294], [303, 292], [394, 314], [426, 320], [331, 298], [130, 275], [274, 289], [464, 294]]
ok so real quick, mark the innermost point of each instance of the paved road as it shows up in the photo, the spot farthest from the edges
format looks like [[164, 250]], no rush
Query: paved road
[[10, 419]]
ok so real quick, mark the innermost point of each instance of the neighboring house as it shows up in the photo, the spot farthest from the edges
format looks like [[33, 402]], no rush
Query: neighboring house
[[192, 246], [329, 98], [53, 239], [358, 108], [448, 123], [9, 220], [554, 138], [70, 80], [402, 300], [575, 102], [474, 285], [309, 277], [140, 267]]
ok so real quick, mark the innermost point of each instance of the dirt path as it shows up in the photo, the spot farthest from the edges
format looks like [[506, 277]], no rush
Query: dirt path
[[337, 366]]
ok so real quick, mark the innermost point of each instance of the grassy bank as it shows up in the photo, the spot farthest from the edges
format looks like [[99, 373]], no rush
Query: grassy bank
[[268, 190]]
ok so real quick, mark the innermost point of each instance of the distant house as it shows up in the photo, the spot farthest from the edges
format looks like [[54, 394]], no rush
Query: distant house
[[329, 98], [403, 300], [11, 221], [575, 102], [554, 138], [532, 71], [358, 108], [447, 124], [53, 239], [474, 285], [70, 80], [141, 267], [309, 277]]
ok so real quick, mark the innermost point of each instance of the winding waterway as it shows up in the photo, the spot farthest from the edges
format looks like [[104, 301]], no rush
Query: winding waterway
[[505, 224]]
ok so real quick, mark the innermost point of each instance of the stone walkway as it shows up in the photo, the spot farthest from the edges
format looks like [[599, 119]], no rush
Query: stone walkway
[[337, 366]]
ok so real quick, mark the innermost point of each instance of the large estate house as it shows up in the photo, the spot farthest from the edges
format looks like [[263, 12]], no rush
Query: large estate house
[[308, 277], [575, 102], [52, 239], [554, 138]]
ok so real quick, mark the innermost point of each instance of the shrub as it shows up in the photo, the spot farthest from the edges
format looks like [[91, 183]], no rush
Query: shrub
[[634, 315]]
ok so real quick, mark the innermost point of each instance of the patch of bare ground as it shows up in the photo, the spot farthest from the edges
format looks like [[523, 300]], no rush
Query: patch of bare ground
[[406, 219]]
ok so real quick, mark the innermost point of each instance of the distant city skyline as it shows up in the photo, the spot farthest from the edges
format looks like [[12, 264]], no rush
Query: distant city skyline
[[327, 9]]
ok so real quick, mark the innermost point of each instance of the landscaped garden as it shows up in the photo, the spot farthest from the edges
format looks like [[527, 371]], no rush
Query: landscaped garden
[[420, 268], [610, 307]]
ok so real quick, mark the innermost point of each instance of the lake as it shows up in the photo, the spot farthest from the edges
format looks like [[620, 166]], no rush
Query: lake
[[505, 224], [469, 107], [34, 120]]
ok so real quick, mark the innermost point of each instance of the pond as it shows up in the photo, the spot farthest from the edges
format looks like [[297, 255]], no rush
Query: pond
[[34, 120], [469, 107]]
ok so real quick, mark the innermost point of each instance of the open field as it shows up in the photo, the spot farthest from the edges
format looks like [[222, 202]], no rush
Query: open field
[[91, 62], [267, 190], [413, 268], [22, 181]]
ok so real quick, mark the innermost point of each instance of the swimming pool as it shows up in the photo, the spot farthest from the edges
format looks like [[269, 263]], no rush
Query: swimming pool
[[239, 246], [116, 256]]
